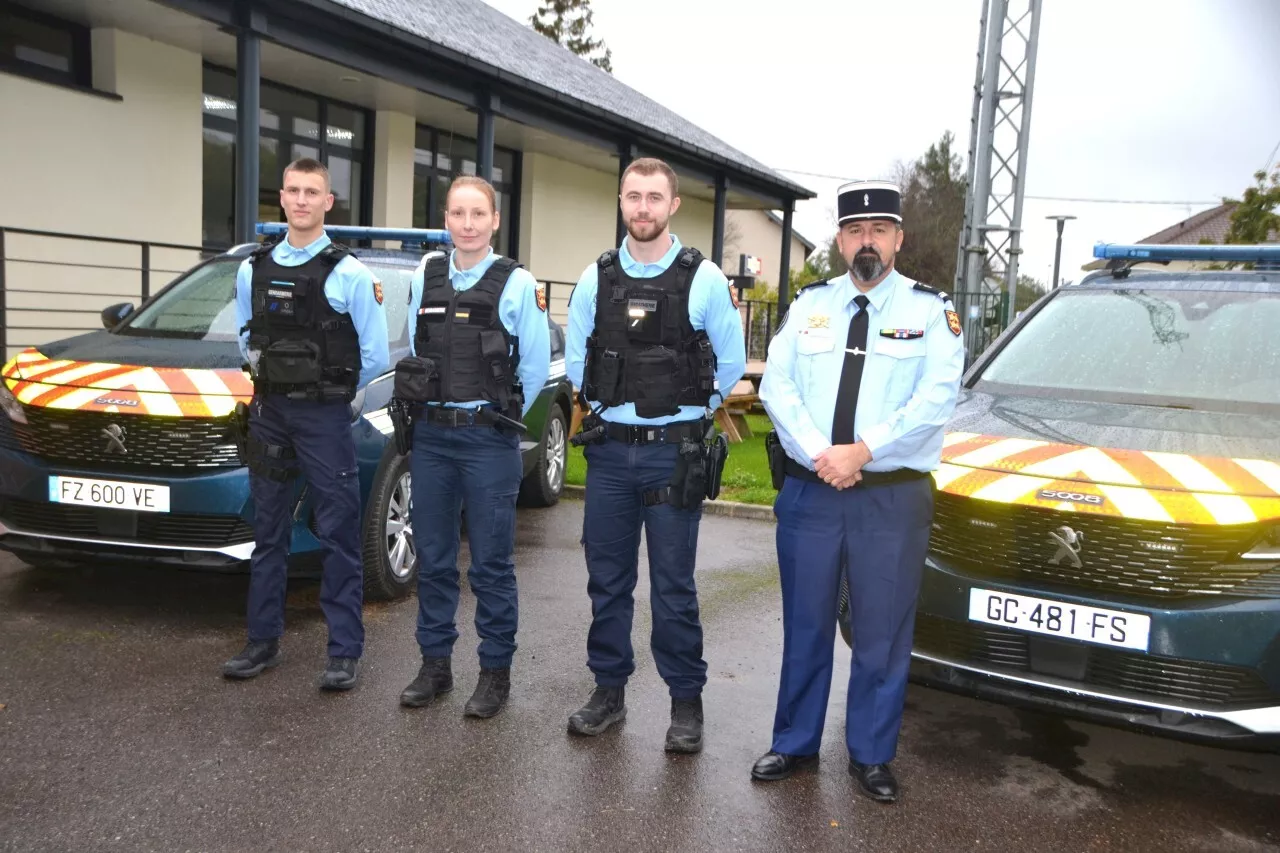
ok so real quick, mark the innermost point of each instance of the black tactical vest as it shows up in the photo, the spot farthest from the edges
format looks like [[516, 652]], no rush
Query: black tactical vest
[[307, 350], [645, 350], [462, 332]]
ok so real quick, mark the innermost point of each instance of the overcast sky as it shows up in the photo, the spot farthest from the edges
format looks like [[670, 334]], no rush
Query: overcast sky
[[1148, 100]]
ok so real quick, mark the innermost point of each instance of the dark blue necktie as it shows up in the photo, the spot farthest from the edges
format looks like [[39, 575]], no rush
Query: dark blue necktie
[[855, 355]]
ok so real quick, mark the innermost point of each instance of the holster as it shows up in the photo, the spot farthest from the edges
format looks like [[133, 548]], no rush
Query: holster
[[240, 431], [777, 459], [717, 452], [592, 431], [402, 424], [688, 486]]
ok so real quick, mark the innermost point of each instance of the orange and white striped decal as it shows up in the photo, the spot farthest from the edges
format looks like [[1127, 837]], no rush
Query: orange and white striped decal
[[1146, 485], [177, 392]]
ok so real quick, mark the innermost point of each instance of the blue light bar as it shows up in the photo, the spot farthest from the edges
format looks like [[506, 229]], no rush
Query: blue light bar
[[1152, 252], [406, 236]]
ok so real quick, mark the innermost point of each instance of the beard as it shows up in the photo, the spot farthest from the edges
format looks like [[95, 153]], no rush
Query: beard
[[645, 231], [867, 265]]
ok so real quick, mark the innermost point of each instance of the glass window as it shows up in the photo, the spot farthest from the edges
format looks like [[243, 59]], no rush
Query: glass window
[[200, 306], [1200, 347], [439, 157], [290, 127], [396, 281], [219, 187], [43, 47]]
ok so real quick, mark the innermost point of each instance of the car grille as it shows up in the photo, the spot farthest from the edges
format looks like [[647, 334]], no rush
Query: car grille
[[151, 443], [1139, 558], [1134, 673], [198, 531]]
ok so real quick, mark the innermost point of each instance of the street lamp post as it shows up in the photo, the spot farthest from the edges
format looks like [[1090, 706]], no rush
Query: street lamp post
[[1057, 252]]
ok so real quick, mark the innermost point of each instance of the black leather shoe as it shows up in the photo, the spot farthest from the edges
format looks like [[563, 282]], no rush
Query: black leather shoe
[[685, 734], [340, 674], [435, 678], [256, 657], [876, 781], [776, 766], [606, 706], [491, 693]]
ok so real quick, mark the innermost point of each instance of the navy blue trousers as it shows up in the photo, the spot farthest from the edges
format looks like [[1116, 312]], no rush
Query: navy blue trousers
[[879, 537], [320, 435], [618, 474], [481, 466]]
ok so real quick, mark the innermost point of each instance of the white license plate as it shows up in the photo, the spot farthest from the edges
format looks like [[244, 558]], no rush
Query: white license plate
[[1059, 619], [112, 494]]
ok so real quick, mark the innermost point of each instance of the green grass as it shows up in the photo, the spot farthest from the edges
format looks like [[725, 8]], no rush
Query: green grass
[[746, 473]]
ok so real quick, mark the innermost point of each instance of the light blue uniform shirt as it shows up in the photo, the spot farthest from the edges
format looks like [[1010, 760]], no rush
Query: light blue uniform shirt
[[909, 382], [521, 316], [349, 289], [710, 308]]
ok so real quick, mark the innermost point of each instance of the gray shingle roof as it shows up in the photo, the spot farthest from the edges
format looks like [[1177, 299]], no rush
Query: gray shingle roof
[[482, 33]]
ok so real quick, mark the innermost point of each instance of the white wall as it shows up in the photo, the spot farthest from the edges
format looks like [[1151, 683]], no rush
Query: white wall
[[759, 235], [83, 164], [393, 140], [567, 218]]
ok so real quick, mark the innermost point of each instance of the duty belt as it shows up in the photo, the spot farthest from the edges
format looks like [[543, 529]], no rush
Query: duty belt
[[869, 478], [645, 434], [454, 416]]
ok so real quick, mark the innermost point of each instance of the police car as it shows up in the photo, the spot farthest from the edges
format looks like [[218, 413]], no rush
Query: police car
[[118, 444]]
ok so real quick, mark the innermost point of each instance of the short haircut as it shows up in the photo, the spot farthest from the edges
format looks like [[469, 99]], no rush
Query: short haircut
[[651, 166], [477, 182], [309, 166]]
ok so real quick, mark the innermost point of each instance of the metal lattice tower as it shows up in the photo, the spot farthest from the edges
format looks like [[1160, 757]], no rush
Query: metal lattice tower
[[987, 257]]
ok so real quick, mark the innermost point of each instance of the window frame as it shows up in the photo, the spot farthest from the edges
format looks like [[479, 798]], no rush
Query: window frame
[[81, 74], [509, 186], [363, 155]]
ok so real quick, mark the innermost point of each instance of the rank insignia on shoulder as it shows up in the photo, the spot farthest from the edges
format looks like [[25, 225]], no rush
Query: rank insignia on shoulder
[[819, 321], [902, 334], [540, 294], [377, 291], [929, 288], [953, 323]]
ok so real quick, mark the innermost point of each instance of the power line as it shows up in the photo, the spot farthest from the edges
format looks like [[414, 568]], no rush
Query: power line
[[1041, 197], [1272, 158]]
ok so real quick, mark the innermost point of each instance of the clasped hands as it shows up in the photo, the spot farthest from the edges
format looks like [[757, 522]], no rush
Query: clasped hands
[[841, 464]]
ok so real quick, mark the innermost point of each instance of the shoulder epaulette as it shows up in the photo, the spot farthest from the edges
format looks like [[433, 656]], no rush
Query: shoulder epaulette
[[819, 283], [929, 288]]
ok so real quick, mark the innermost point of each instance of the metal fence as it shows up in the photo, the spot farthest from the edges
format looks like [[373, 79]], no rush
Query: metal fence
[[981, 316], [54, 284]]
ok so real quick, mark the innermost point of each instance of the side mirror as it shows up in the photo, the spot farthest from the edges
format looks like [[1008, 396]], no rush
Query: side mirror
[[113, 315]]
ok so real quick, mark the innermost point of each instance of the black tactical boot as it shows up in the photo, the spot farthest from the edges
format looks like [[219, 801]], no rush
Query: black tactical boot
[[491, 693], [605, 707], [435, 677], [685, 734], [256, 657], [340, 674]]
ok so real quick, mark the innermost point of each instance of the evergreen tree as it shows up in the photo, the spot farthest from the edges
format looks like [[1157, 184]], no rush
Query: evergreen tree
[[568, 23]]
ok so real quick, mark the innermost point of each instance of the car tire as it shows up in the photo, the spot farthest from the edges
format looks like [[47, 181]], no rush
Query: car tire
[[545, 482], [390, 555]]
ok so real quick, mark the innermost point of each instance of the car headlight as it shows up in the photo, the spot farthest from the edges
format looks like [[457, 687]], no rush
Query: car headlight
[[1268, 547], [10, 404]]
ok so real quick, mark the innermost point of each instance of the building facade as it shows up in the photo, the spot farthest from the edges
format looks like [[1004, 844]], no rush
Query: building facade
[[139, 133]]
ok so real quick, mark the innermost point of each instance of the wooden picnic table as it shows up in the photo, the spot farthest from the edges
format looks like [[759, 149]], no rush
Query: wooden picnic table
[[731, 417]]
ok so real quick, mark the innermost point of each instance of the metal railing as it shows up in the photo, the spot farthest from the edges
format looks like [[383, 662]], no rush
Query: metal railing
[[57, 298]]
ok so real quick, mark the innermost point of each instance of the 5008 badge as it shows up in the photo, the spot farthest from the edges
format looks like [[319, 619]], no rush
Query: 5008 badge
[[1072, 497]]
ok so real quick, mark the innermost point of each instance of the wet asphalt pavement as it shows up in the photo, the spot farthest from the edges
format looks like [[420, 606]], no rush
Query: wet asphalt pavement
[[117, 732]]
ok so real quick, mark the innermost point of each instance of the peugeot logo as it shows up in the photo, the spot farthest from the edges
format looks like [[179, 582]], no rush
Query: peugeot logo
[[1069, 544], [114, 434]]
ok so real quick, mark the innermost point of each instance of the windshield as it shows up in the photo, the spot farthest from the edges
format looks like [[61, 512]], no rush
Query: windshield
[[201, 306], [1212, 349]]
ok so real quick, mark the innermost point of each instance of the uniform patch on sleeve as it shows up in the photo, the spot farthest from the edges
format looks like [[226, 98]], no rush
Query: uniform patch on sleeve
[[953, 323], [733, 293], [540, 293], [377, 291]]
